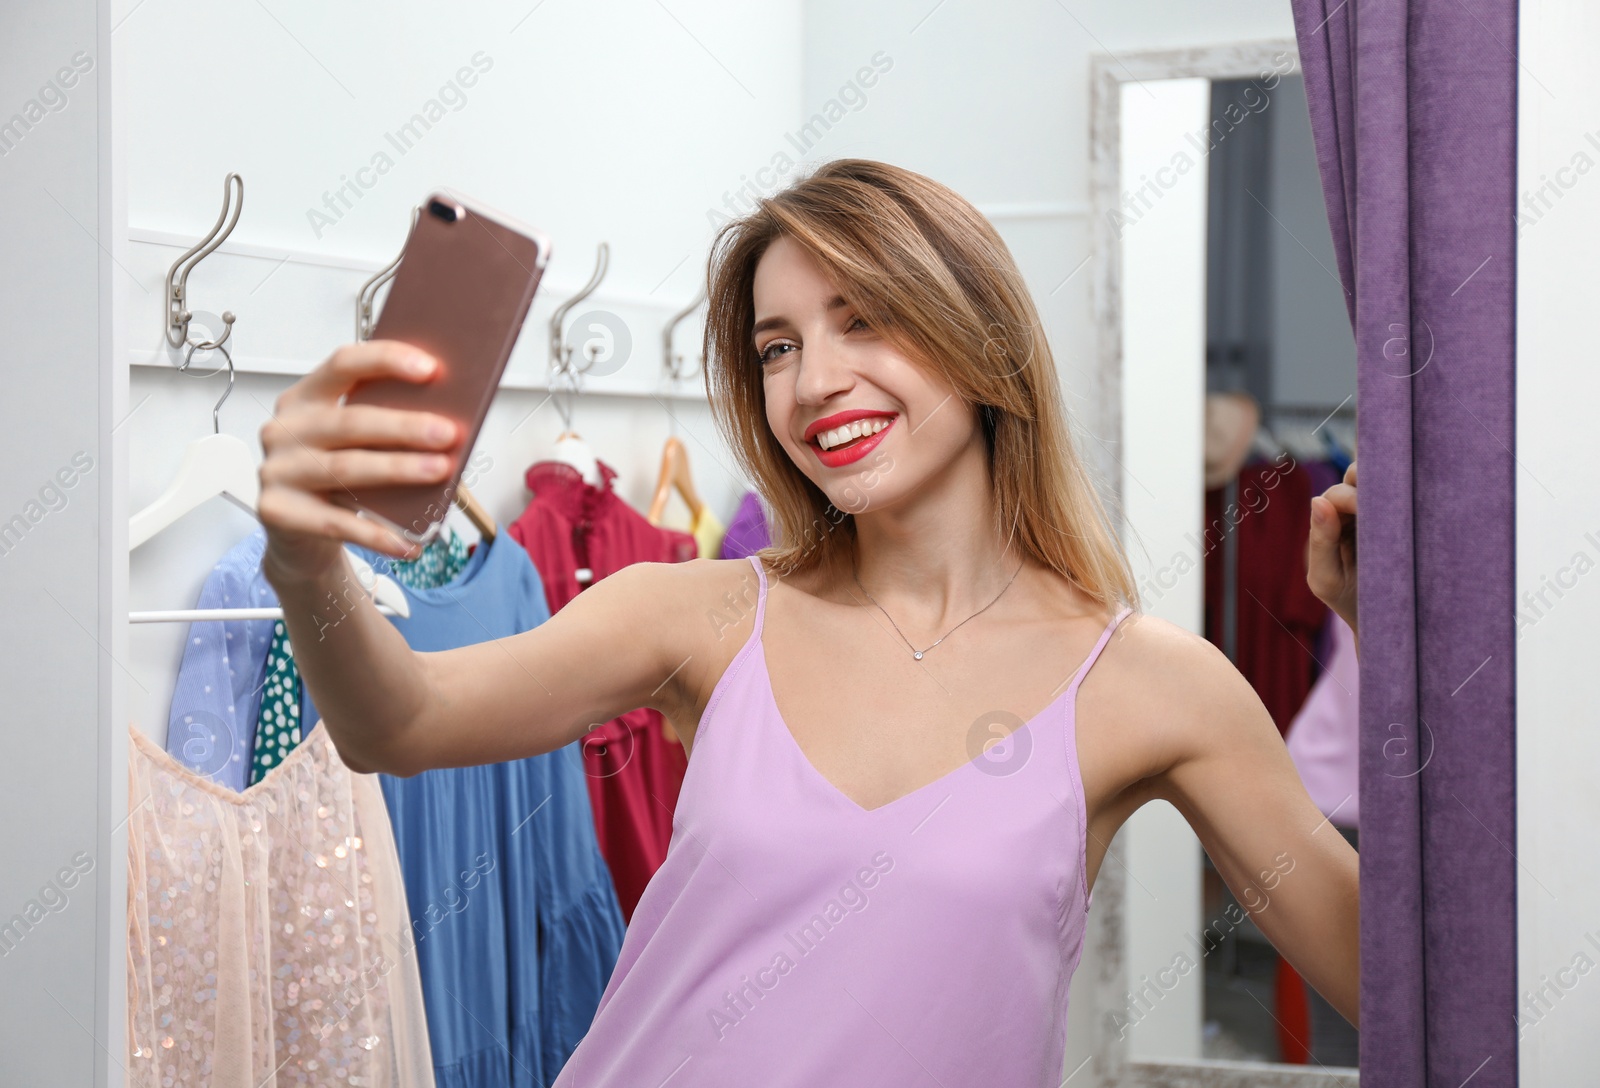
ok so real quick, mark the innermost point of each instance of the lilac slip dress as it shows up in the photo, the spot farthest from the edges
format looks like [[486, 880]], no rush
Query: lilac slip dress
[[792, 937]]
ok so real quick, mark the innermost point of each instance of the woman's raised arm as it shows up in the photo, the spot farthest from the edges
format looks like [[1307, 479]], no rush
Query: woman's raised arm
[[393, 709]]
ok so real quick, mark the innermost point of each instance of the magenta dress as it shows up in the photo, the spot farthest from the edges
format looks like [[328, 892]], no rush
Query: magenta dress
[[793, 938]]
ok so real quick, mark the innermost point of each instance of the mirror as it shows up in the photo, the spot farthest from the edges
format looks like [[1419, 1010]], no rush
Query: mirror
[[1222, 329]]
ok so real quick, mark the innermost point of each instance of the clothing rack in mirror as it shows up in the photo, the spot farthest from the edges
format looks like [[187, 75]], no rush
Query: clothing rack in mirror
[[1297, 428], [1345, 409]]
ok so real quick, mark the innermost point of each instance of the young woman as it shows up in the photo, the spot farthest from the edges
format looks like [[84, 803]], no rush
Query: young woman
[[914, 723]]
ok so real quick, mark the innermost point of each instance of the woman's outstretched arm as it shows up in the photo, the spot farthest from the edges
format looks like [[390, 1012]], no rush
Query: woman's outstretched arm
[[1224, 766], [393, 709]]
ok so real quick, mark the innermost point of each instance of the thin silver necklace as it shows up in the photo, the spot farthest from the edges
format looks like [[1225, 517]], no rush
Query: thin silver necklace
[[916, 653]]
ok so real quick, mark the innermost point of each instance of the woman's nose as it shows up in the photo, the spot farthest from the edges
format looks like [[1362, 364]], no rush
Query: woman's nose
[[824, 371]]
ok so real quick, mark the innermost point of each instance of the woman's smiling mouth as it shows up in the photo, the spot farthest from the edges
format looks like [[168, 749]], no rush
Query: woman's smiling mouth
[[848, 436]]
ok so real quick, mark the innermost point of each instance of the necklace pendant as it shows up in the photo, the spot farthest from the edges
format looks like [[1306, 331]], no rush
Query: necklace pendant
[[917, 654]]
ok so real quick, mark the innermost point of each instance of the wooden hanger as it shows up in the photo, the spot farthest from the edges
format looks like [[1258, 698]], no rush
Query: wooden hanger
[[674, 476], [470, 506]]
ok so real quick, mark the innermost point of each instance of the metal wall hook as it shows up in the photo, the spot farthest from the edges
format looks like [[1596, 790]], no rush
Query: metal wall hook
[[569, 379], [369, 290], [560, 350], [673, 364], [188, 357], [178, 311]]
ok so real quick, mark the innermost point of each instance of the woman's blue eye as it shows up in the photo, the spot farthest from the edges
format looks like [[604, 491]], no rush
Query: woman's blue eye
[[764, 356]]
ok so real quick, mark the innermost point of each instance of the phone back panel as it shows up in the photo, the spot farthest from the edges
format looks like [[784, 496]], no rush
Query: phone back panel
[[462, 293]]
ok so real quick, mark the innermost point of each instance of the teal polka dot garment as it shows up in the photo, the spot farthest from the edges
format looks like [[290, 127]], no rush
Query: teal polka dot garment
[[439, 564], [278, 727], [278, 724]]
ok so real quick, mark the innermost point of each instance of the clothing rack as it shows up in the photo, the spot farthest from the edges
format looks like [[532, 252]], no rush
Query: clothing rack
[[195, 615]]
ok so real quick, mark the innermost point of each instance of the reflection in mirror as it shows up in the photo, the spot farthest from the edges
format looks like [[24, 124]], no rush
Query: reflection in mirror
[[1223, 330], [1279, 428]]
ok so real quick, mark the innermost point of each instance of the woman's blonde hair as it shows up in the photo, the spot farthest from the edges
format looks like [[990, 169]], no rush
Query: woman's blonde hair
[[926, 270]]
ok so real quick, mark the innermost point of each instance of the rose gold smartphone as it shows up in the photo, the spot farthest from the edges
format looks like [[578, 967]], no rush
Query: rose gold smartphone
[[466, 280]]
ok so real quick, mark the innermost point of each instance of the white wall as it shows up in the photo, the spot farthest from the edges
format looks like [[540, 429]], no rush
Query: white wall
[[62, 800], [1558, 544], [621, 121]]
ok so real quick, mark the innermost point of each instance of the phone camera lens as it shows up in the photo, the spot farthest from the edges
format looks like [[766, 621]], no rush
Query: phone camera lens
[[444, 210]]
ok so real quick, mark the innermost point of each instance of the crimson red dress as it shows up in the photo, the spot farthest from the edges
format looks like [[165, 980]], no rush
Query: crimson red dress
[[1279, 618], [634, 771]]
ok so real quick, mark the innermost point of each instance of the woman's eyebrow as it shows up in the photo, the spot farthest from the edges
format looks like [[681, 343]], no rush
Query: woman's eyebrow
[[778, 322], [767, 323]]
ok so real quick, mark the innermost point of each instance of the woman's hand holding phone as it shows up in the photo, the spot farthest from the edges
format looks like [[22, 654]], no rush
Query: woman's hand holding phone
[[315, 446]]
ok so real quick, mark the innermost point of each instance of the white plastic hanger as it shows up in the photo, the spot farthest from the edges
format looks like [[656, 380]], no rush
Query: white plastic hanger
[[220, 465], [213, 466], [572, 450]]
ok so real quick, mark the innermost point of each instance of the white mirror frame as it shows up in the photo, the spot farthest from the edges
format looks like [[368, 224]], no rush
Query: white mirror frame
[[1111, 1063]]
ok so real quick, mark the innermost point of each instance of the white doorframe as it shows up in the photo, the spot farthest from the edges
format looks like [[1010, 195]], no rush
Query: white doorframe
[[1558, 543]]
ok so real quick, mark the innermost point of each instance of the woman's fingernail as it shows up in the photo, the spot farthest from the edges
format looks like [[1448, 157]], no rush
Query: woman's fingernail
[[421, 364]]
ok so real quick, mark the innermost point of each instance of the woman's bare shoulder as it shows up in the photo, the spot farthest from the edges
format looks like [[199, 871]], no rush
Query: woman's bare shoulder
[[1165, 648], [699, 612], [1155, 681], [674, 586], [709, 594]]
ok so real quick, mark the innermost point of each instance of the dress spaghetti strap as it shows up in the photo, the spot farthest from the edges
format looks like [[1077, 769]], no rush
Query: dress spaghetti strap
[[1094, 654], [752, 645], [1072, 753], [761, 594]]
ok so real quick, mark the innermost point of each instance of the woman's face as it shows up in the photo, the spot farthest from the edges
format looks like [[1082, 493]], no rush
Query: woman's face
[[831, 382]]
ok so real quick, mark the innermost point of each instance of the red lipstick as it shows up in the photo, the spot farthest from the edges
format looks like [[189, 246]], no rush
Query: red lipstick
[[855, 451]]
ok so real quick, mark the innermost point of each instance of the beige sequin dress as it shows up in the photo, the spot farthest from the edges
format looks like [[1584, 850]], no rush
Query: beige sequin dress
[[269, 942]]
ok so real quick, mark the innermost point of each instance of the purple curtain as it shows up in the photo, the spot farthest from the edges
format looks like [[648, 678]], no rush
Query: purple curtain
[[1413, 110]]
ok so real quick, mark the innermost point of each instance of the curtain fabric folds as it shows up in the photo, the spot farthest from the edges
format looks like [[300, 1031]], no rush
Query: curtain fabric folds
[[1413, 107]]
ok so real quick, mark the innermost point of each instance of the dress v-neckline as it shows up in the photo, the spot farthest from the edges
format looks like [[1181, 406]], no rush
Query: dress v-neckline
[[794, 744]]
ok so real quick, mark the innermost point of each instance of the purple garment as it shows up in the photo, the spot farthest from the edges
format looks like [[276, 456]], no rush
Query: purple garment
[[747, 532], [1413, 109], [792, 937], [1324, 736], [1323, 475]]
